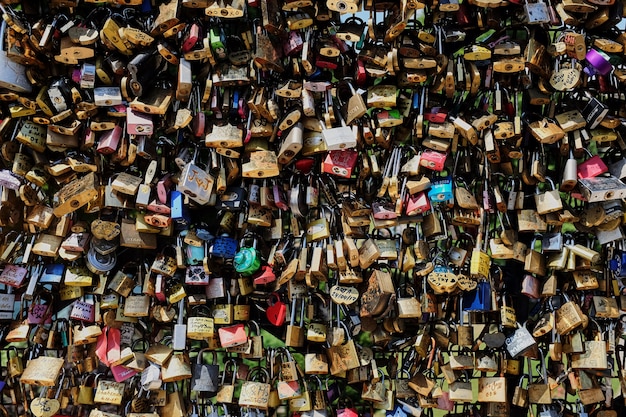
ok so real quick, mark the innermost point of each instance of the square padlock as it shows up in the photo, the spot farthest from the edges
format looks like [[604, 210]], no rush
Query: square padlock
[[109, 141], [138, 123], [340, 163]]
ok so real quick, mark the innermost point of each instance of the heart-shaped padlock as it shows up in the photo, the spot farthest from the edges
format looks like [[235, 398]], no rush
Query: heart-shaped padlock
[[276, 311], [44, 407]]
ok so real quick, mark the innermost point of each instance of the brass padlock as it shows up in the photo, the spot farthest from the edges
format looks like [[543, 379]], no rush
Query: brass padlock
[[295, 335], [568, 316], [15, 364], [548, 201], [223, 313]]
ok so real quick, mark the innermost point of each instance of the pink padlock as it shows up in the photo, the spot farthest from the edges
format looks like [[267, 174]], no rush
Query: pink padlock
[[121, 373], [592, 167], [417, 204], [232, 335], [192, 38], [293, 44], [383, 210], [109, 141], [138, 123]]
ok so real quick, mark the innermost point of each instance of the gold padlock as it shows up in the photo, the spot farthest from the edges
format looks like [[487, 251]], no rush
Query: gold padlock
[[295, 332], [15, 364], [223, 313]]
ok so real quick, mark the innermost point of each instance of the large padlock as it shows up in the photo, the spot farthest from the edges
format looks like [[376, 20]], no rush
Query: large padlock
[[196, 183], [75, 195], [602, 188], [520, 341]]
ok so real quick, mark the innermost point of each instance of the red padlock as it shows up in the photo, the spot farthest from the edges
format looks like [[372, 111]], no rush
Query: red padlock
[[265, 275], [276, 311], [340, 163], [192, 38], [433, 160], [436, 115], [360, 73], [326, 62]]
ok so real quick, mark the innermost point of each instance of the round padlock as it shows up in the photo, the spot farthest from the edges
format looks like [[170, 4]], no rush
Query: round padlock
[[98, 263]]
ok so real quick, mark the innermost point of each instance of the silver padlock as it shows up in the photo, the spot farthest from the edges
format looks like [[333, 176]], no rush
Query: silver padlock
[[602, 188]]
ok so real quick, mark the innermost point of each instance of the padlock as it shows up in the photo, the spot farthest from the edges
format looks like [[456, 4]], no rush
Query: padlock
[[196, 183], [340, 163], [15, 364], [568, 317], [440, 189], [222, 313], [591, 167], [433, 160], [548, 201], [520, 341], [465, 332], [248, 259], [295, 335], [602, 188], [594, 111]]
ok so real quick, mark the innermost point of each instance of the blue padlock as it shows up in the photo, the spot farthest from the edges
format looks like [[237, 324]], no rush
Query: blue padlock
[[618, 264], [478, 299], [52, 274], [397, 411], [440, 189], [202, 231], [223, 247], [179, 212]]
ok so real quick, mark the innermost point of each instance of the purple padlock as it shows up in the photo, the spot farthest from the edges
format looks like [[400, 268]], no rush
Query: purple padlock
[[598, 63]]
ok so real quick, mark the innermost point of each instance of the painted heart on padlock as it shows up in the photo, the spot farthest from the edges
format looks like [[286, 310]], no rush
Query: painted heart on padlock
[[276, 311], [44, 407]]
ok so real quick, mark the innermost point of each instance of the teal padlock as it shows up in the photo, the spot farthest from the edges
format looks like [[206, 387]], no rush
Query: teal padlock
[[247, 260]]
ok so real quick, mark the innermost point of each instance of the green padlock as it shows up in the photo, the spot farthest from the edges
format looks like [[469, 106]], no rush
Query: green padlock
[[248, 259]]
